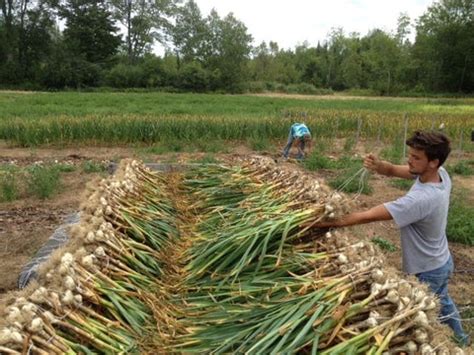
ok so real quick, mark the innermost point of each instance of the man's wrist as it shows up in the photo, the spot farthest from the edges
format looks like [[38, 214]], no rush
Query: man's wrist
[[384, 168]]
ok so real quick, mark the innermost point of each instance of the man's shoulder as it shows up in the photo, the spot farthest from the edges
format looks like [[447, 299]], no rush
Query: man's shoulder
[[418, 195], [426, 195], [444, 174]]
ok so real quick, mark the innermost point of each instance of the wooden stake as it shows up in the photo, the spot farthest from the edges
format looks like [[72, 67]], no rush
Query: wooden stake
[[405, 136]]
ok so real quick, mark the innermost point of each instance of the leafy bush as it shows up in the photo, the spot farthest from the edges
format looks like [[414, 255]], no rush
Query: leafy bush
[[256, 87], [155, 72], [271, 86], [62, 73], [193, 77], [125, 76], [44, 180]]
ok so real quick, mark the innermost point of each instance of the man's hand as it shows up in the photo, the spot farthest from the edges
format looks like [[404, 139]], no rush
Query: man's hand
[[373, 163]]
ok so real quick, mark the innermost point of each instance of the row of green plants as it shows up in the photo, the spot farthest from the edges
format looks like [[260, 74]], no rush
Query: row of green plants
[[38, 180], [150, 129], [123, 118], [34, 105]]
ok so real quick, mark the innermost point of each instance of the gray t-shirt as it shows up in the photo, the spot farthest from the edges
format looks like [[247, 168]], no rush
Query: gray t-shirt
[[422, 215]]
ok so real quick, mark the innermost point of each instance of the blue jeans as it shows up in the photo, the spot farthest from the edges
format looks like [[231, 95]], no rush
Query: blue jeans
[[437, 280], [301, 145]]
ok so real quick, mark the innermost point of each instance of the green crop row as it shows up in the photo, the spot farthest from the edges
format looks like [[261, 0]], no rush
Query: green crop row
[[126, 129], [79, 104]]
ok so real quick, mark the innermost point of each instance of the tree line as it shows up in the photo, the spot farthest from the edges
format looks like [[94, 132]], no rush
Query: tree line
[[58, 44]]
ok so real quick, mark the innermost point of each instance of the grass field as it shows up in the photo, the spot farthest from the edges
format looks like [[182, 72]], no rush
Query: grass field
[[35, 119], [38, 105]]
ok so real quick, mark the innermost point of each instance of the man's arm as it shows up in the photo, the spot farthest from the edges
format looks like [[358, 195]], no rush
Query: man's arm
[[373, 163], [377, 213]]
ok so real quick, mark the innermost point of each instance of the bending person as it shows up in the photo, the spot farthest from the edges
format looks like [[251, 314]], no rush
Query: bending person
[[299, 135]]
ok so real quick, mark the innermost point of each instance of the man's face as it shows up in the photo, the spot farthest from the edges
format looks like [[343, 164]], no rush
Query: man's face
[[418, 162]]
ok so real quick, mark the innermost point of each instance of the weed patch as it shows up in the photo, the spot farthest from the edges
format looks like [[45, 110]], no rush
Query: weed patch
[[402, 184], [316, 161], [8, 184], [44, 181], [90, 167], [460, 220], [384, 244], [463, 167], [65, 168]]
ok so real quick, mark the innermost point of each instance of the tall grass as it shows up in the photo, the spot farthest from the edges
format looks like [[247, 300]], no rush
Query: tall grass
[[259, 144], [124, 118]]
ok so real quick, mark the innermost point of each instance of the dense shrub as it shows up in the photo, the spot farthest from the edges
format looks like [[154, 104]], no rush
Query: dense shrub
[[125, 76], [193, 77], [70, 73], [256, 87]]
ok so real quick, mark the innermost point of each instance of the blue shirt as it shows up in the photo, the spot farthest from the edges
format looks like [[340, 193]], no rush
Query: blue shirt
[[299, 130]]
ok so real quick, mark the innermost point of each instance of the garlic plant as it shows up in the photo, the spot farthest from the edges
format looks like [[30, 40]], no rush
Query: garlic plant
[[217, 260]]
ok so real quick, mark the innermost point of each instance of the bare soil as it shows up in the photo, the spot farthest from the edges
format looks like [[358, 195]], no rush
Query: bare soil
[[26, 224]]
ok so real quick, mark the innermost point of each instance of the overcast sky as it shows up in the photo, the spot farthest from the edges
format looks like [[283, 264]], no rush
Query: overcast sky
[[291, 22]]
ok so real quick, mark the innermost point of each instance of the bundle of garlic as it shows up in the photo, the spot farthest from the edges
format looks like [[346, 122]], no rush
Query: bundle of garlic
[[258, 283], [102, 292], [300, 186], [218, 262]]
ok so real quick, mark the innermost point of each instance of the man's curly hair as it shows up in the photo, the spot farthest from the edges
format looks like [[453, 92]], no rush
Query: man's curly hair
[[436, 145]]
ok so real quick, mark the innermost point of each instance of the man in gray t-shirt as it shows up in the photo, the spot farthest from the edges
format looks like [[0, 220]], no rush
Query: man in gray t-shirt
[[421, 216]]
